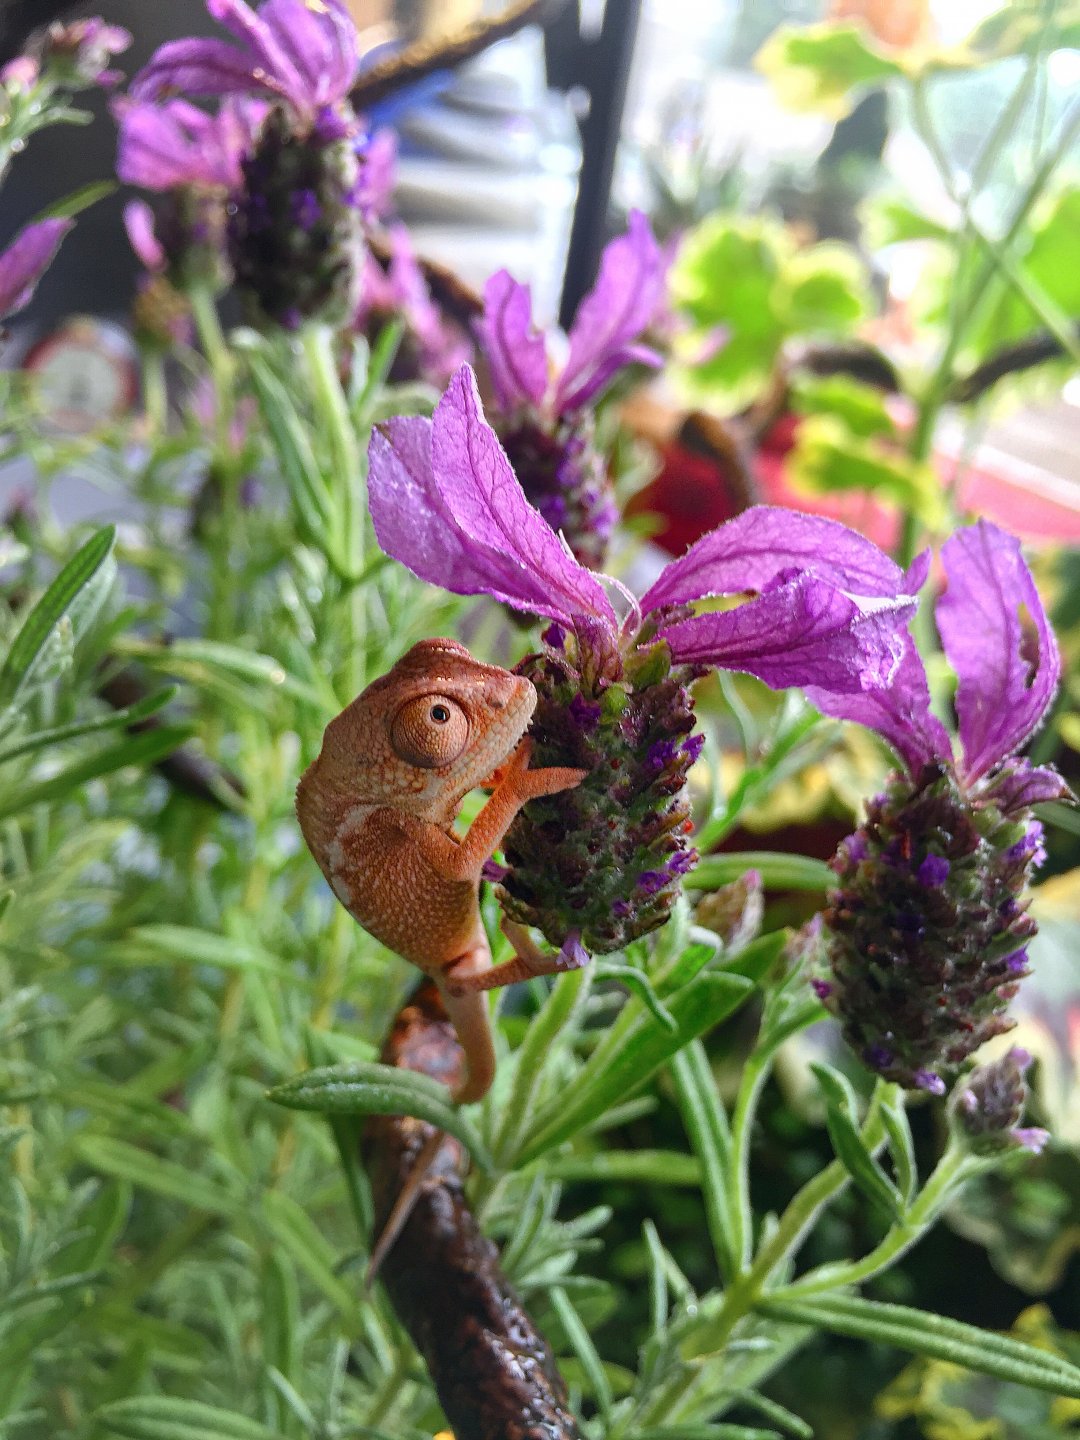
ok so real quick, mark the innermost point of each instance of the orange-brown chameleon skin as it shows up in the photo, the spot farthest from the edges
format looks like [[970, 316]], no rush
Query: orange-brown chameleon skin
[[380, 825]]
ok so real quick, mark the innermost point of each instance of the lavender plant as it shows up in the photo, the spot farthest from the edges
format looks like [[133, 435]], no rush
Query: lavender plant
[[184, 1257]]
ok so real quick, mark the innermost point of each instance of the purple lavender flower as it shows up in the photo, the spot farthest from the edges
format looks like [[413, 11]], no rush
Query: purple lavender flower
[[446, 503], [927, 925], [25, 260], [543, 417], [301, 54], [434, 348]]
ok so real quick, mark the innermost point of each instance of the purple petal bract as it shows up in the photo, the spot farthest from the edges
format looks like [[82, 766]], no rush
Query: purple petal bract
[[1002, 696], [748, 552], [25, 260], [622, 303], [446, 503], [799, 631], [900, 714]]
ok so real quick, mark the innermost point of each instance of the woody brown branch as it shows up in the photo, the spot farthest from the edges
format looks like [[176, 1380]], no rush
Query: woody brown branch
[[494, 1372]]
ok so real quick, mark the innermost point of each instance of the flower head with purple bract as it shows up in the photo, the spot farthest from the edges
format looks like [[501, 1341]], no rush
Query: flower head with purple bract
[[25, 260], [195, 160], [543, 416], [927, 927], [608, 858], [295, 182]]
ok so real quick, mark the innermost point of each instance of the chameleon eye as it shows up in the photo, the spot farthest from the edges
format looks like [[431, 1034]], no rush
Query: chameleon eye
[[429, 731]]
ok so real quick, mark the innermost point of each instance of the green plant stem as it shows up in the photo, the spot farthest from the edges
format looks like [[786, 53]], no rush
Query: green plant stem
[[951, 1172], [567, 996], [740, 1212], [967, 303], [155, 401], [220, 360], [742, 1295], [333, 411], [345, 483]]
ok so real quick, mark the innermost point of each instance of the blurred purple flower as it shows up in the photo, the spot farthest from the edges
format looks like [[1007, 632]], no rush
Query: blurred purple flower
[[25, 260], [20, 74], [440, 348], [542, 413], [828, 603], [175, 144], [628, 294], [290, 50]]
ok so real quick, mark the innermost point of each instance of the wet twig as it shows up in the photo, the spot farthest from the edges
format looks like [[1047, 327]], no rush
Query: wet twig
[[494, 1373]]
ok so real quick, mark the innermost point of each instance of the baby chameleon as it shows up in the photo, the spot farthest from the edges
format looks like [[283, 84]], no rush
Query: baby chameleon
[[377, 809]]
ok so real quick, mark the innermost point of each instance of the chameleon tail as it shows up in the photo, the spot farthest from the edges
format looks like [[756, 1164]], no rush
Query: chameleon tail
[[403, 1205], [469, 1017]]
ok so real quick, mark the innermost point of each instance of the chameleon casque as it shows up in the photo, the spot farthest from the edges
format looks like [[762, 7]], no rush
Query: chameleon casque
[[377, 809]]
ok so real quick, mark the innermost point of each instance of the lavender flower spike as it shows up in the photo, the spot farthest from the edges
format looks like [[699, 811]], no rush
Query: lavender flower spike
[[303, 54], [927, 924], [608, 859], [25, 260]]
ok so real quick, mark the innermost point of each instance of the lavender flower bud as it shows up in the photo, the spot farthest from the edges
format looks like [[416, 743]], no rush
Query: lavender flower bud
[[566, 478], [986, 1107], [927, 925], [160, 315], [608, 858], [294, 230], [191, 226], [78, 52], [734, 912]]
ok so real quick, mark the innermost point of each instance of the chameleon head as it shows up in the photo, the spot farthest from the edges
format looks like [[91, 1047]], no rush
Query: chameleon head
[[419, 738]]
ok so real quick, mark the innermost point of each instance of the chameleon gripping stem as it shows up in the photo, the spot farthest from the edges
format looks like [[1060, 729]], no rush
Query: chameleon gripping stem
[[494, 1373]]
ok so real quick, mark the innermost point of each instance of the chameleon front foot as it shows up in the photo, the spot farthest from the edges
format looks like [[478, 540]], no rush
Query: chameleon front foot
[[529, 962]]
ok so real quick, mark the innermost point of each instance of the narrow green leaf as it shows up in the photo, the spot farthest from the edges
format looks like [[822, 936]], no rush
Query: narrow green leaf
[[50, 610], [298, 1235], [706, 1122], [644, 1167], [371, 1089], [757, 959], [161, 1417], [851, 1150], [901, 1147], [637, 982], [632, 1051], [778, 871], [78, 201], [934, 1335], [581, 1343], [144, 749], [42, 739], [186, 945], [151, 1172]]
